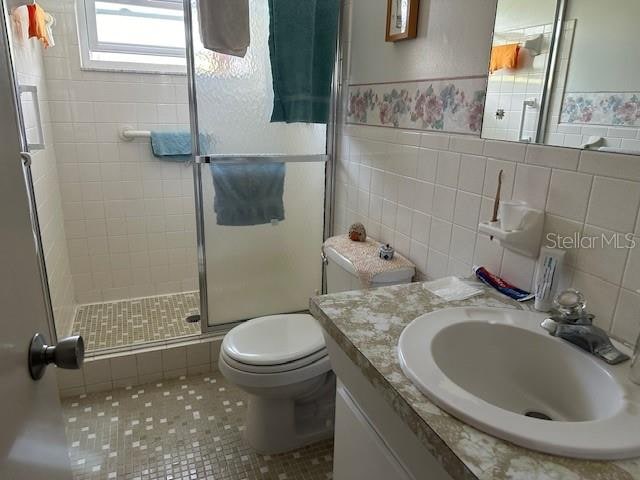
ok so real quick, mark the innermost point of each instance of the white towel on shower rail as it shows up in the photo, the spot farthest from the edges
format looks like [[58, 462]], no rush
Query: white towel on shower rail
[[224, 26]]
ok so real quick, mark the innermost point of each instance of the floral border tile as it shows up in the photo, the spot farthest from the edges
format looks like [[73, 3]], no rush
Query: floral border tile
[[444, 105], [601, 108]]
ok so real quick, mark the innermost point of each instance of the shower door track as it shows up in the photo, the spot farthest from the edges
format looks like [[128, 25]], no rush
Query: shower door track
[[260, 158]]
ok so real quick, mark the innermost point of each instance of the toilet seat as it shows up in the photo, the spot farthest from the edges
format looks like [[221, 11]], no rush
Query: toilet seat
[[274, 351], [278, 368], [274, 340], [246, 379]]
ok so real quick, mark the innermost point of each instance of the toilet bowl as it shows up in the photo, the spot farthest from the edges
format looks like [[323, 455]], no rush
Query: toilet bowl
[[281, 362]]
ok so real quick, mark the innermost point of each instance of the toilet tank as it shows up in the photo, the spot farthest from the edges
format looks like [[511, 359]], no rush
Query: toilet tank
[[342, 275]]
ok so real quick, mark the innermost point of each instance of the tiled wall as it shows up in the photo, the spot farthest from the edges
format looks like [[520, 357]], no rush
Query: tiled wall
[[30, 71], [425, 194], [129, 217], [141, 366]]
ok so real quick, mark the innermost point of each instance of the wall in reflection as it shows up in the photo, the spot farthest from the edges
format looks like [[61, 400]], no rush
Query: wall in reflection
[[597, 92]]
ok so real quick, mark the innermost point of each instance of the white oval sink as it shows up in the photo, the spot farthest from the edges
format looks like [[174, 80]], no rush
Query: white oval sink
[[498, 370]]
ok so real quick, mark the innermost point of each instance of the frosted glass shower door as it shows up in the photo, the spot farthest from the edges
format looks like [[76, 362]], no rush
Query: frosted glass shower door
[[260, 269]]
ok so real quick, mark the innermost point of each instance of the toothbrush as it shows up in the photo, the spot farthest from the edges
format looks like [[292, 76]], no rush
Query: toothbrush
[[496, 202]]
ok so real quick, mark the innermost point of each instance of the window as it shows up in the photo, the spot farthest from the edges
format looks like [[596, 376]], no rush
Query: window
[[132, 35]]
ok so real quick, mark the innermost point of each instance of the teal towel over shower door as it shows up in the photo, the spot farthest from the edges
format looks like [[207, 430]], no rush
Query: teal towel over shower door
[[302, 47]]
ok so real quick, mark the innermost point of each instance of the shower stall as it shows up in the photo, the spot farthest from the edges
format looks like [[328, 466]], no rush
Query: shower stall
[[131, 251]]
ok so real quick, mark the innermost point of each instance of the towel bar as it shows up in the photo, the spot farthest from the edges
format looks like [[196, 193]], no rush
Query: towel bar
[[264, 158], [533, 103], [128, 134]]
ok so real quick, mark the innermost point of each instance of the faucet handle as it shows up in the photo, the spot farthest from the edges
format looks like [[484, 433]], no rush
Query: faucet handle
[[570, 304], [570, 299]]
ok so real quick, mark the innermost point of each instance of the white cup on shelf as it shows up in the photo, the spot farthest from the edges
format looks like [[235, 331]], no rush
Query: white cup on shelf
[[512, 215]]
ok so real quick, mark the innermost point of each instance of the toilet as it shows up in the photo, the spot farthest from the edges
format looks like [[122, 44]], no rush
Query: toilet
[[281, 362]]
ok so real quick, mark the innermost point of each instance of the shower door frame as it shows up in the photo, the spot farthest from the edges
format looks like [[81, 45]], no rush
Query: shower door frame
[[25, 158], [328, 158]]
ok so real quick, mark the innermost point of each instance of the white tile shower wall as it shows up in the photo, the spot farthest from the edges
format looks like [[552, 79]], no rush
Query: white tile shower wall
[[30, 71], [426, 193], [129, 217]]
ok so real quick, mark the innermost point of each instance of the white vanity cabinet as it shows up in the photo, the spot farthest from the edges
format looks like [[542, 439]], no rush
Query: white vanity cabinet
[[359, 451], [372, 442]]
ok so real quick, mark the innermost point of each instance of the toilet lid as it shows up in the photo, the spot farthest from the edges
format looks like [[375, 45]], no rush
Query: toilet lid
[[296, 365], [274, 339]]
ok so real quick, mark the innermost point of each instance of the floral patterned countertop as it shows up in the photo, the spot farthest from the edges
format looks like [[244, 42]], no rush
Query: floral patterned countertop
[[367, 325]]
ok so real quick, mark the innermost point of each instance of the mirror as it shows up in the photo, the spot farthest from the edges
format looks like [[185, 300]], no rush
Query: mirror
[[565, 73]]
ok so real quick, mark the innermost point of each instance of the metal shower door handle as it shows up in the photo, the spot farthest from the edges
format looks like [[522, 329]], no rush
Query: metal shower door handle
[[68, 353]]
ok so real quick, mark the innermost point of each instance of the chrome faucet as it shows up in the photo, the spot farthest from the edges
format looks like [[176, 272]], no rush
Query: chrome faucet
[[571, 322]]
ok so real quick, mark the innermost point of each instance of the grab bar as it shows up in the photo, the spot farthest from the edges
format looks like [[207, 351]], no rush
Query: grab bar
[[260, 158], [33, 90], [128, 134], [527, 103]]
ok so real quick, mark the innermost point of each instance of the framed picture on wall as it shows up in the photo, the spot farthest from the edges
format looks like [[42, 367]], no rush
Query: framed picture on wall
[[402, 20]]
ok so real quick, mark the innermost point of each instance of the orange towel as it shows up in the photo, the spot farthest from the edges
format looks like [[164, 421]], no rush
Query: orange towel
[[38, 24], [504, 56]]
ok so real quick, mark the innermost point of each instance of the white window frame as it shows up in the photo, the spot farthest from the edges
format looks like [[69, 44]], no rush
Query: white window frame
[[88, 42]]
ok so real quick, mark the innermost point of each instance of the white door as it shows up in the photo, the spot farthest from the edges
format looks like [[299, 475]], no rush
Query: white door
[[32, 440]]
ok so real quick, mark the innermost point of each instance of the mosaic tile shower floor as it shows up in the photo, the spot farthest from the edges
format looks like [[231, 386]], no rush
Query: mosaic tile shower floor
[[188, 428], [133, 322]]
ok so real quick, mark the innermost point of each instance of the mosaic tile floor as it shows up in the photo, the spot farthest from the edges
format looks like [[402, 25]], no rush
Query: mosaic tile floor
[[188, 428], [131, 322]]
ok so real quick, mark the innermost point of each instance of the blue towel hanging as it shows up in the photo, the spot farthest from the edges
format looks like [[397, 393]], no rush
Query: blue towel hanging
[[247, 194], [175, 146]]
